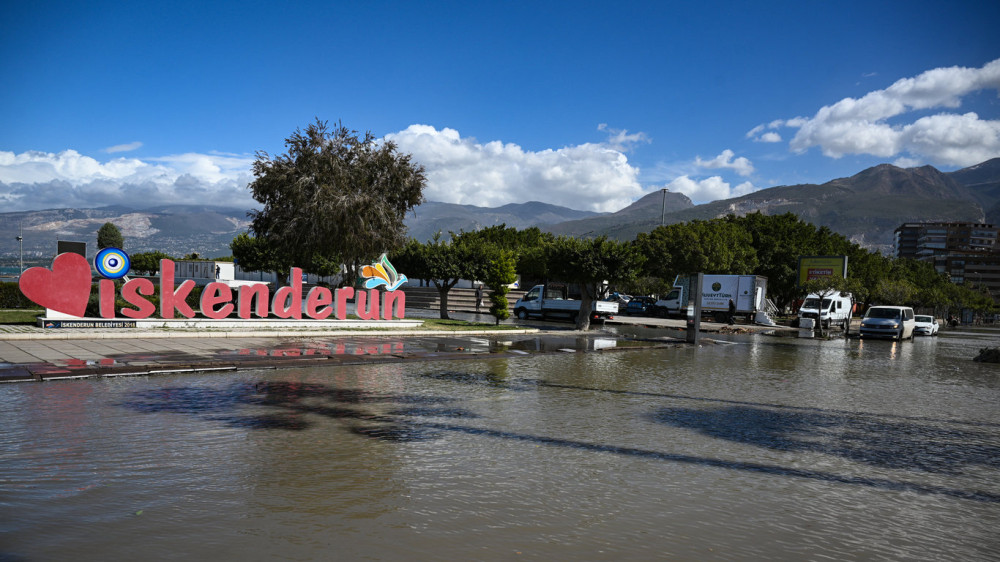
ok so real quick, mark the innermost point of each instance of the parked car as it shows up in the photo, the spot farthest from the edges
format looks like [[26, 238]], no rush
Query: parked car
[[640, 306], [925, 325], [894, 322]]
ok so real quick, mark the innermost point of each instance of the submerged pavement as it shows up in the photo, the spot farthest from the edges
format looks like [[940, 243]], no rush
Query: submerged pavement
[[30, 353], [97, 353]]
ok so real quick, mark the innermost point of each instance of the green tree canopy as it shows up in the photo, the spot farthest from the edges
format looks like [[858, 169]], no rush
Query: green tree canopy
[[108, 236], [713, 247], [148, 262], [444, 263], [334, 197], [778, 242], [528, 245]]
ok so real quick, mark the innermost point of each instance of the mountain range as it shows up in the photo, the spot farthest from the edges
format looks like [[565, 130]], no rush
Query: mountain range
[[866, 207]]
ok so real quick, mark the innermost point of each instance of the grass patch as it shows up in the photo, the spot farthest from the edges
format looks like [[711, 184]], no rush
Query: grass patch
[[455, 325], [19, 316]]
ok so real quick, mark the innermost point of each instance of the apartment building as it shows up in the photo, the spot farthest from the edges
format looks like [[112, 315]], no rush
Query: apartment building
[[967, 252]]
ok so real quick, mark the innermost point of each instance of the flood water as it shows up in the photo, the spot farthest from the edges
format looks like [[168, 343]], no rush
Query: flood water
[[754, 448]]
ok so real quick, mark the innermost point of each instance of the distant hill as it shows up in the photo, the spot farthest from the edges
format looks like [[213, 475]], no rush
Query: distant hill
[[432, 217], [866, 207], [984, 181], [644, 213], [176, 230]]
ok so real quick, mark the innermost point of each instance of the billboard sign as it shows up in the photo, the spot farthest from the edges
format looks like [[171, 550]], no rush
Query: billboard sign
[[819, 267]]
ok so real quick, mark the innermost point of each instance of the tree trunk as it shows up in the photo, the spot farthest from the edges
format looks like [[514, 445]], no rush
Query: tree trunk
[[443, 289], [443, 300], [586, 303]]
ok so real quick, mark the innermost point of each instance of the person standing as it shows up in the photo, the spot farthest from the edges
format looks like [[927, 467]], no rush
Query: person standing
[[732, 312], [479, 298]]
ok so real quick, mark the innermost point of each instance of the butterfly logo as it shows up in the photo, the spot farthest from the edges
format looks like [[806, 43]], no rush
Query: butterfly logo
[[382, 273]]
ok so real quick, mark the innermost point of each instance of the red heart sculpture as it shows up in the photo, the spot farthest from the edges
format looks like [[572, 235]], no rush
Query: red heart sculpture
[[65, 288]]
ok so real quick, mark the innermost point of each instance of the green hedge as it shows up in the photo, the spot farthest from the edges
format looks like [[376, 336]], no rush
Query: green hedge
[[11, 297]]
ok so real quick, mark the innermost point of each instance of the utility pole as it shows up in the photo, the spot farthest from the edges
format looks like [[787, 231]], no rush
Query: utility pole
[[663, 204]]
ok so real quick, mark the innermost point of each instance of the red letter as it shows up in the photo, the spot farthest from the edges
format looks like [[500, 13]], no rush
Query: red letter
[[342, 296], [372, 309], [319, 296], [397, 297], [131, 293], [247, 293], [216, 293], [107, 290], [169, 298], [281, 306]]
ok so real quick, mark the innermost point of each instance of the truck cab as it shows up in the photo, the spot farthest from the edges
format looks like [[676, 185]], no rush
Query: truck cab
[[669, 304]]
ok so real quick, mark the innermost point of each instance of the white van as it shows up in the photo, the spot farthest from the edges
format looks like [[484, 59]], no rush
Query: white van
[[896, 322], [834, 309]]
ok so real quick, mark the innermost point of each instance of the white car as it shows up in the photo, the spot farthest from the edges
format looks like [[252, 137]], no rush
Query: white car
[[925, 325]]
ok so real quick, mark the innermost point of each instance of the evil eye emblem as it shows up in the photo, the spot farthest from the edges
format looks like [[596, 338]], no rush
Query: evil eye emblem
[[112, 263]]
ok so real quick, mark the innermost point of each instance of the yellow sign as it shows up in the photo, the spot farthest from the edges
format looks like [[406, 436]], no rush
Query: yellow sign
[[819, 267]]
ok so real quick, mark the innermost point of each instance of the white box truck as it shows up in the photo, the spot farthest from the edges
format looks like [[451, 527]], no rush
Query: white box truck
[[748, 292], [553, 300]]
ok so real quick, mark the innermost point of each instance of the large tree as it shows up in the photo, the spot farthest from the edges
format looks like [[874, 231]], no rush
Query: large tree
[[108, 236], [334, 197]]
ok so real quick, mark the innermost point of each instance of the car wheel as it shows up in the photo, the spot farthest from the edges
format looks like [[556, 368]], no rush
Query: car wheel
[[521, 313]]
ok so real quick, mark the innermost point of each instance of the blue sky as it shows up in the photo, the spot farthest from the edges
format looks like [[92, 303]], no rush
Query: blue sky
[[586, 105]]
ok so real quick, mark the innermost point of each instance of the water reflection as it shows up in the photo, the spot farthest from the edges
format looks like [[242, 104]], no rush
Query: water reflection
[[283, 405]]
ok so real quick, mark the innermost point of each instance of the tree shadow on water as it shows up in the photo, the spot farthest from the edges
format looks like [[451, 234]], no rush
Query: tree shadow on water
[[863, 438], [285, 405]]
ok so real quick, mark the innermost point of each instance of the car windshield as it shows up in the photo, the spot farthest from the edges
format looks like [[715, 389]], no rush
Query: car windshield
[[882, 313], [927, 319]]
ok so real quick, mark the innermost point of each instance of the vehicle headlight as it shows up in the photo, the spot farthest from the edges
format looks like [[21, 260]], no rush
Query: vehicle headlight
[[895, 325]]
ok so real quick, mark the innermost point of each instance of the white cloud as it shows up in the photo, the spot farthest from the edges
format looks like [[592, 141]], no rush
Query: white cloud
[[962, 140], [861, 126], [709, 189], [741, 165], [904, 162], [621, 140], [771, 135], [459, 170], [755, 131], [123, 147], [594, 177], [37, 180]]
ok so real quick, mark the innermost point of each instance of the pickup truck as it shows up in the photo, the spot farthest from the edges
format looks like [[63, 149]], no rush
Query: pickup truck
[[552, 300]]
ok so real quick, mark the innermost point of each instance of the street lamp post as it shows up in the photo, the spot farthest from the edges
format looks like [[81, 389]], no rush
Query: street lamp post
[[20, 250]]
